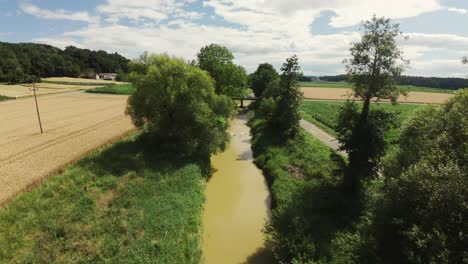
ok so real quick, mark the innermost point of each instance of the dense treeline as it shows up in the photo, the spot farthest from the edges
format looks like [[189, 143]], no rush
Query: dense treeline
[[24, 62], [433, 82]]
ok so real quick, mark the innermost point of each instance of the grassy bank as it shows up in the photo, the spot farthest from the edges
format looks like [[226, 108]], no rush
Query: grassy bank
[[125, 204], [324, 114], [410, 88], [311, 214], [124, 89], [4, 98], [79, 83]]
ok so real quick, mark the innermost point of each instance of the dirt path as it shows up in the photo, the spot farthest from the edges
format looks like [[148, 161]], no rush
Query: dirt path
[[321, 135], [237, 204], [74, 124]]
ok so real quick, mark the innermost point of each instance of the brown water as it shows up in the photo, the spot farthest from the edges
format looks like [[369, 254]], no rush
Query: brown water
[[237, 204]]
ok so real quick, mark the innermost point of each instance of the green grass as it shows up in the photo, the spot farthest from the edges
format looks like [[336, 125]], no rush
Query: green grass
[[125, 204], [4, 98], [347, 85], [324, 114], [310, 211], [124, 89]]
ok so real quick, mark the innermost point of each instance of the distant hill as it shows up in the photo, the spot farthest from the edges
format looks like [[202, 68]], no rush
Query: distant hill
[[24, 62], [434, 82]]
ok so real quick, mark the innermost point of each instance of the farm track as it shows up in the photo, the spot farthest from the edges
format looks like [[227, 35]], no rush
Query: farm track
[[74, 124]]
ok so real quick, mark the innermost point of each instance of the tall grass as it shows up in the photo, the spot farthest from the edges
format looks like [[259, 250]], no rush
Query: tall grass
[[125, 204]]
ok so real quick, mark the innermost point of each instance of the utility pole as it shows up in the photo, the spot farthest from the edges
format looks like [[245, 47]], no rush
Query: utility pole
[[34, 89]]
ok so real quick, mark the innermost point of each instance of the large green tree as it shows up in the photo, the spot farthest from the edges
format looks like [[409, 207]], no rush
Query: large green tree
[[422, 216], [217, 60], [176, 103], [263, 77], [375, 63]]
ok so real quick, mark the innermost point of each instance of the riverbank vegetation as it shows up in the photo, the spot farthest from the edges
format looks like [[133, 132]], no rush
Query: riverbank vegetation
[[405, 204], [125, 204]]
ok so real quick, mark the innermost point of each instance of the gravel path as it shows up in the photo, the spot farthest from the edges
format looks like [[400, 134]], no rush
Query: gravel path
[[321, 135], [74, 124]]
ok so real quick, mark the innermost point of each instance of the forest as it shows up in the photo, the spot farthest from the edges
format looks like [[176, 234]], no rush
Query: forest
[[26, 62], [433, 82]]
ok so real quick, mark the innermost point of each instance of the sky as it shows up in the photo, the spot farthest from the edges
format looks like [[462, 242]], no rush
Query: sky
[[320, 32]]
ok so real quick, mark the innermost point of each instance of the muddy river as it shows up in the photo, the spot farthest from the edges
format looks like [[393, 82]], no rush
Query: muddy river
[[237, 204]]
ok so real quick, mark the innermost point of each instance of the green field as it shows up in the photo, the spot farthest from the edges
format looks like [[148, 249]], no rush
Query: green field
[[124, 89], [324, 114], [347, 85], [120, 205]]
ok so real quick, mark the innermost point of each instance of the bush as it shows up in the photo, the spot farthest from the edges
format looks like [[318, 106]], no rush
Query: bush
[[177, 105]]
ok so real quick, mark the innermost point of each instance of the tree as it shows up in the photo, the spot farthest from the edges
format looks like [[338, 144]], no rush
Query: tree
[[422, 215], [230, 79], [177, 105], [375, 63], [286, 117], [263, 77], [465, 60]]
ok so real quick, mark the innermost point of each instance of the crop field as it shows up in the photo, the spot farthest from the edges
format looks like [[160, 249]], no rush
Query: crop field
[[341, 94], [18, 91], [410, 88], [74, 124]]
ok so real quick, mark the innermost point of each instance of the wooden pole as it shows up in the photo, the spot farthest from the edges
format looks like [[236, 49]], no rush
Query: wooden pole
[[37, 108]]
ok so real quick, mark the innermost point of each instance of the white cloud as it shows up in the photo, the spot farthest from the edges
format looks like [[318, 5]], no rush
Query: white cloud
[[57, 14], [457, 10], [266, 32], [155, 10]]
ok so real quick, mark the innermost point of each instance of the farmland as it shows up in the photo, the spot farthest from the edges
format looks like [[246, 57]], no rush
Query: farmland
[[409, 88], [74, 124], [341, 94]]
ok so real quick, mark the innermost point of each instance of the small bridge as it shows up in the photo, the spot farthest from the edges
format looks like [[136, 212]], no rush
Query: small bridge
[[246, 98]]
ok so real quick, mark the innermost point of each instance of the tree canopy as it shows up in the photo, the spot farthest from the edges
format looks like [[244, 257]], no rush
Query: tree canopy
[[23, 62], [230, 79], [375, 63], [262, 78], [177, 105]]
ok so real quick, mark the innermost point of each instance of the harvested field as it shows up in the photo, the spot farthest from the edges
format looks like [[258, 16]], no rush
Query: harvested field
[[79, 80], [17, 91], [74, 124], [344, 93]]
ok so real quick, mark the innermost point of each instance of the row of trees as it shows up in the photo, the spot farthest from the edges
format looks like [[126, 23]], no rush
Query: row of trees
[[434, 82], [184, 107], [25, 62]]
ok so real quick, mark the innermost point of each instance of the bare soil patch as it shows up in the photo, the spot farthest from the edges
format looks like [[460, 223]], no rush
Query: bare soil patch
[[74, 124], [344, 93]]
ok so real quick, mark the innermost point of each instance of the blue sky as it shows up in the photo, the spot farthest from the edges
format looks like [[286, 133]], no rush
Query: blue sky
[[320, 32]]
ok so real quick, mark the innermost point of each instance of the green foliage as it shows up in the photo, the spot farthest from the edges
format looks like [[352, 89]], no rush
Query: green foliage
[[230, 79], [264, 77], [288, 99], [358, 138], [304, 177], [177, 104], [424, 207], [372, 71], [126, 204], [24, 62], [125, 89]]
